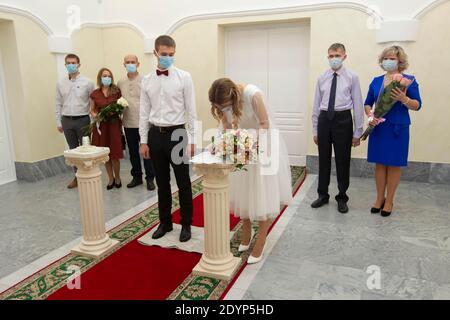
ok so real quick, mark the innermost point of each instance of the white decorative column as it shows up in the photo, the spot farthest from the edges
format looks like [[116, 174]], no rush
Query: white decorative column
[[87, 159], [217, 260]]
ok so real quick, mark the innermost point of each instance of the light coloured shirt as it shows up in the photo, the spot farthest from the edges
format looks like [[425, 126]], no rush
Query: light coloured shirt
[[167, 101], [348, 97], [72, 97], [131, 91]]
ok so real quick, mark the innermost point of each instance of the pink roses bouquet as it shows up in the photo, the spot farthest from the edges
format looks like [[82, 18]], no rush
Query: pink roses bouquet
[[385, 102]]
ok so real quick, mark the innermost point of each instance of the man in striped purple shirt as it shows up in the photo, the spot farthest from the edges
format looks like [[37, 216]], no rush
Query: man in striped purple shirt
[[338, 92]]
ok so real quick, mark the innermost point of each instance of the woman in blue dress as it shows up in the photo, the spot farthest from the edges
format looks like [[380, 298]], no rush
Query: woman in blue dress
[[389, 141]]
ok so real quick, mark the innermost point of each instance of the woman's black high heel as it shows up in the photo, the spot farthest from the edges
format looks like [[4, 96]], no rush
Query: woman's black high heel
[[110, 186], [386, 213], [118, 185], [377, 210]]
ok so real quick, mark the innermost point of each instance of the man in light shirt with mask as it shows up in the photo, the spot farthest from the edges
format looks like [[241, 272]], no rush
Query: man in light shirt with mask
[[130, 87], [166, 127], [338, 92], [72, 105]]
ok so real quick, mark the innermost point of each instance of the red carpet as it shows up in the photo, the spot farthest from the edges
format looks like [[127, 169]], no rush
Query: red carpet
[[138, 272]]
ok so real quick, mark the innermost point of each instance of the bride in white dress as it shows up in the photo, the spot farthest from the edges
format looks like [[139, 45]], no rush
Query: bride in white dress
[[258, 193]]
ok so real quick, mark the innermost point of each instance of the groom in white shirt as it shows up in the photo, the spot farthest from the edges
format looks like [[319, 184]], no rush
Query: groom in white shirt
[[167, 106]]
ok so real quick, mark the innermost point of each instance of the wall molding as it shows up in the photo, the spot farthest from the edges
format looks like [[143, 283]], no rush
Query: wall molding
[[29, 15], [232, 14], [115, 24], [425, 10], [148, 40], [271, 11]]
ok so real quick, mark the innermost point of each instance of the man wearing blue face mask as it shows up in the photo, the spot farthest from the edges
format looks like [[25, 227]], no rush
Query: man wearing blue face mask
[[130, 87], [167, 107], [338, 92], [72, 104]]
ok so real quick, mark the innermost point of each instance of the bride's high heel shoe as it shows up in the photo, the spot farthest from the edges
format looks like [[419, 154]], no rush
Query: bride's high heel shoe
[[242, 247], [252, 260]]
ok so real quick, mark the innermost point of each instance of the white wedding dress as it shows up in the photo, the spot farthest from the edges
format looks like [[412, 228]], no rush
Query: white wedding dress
[[258, 193]]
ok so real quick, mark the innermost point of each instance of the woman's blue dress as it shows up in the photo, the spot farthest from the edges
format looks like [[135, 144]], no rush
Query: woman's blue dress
[[389, 141]]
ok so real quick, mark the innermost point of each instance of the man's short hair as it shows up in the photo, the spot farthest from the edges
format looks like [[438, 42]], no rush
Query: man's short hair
[[72, 56], [164, 40], [336, 47]]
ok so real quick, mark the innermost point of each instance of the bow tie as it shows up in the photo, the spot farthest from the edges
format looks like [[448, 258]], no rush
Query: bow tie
[[159, 72]]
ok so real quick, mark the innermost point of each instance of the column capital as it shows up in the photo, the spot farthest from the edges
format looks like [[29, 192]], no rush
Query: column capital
[[60, 44], [398, 31], [86, 158], [215, 172], [149, 44]]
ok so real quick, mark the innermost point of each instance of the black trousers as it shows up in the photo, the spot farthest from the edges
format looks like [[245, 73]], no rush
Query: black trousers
[[161, 149], [133, 141], [336, 133]]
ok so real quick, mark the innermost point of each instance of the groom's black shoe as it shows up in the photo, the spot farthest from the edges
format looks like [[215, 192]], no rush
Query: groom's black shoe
[[162, 230], [185, 233], [342, 206], [319, 202]]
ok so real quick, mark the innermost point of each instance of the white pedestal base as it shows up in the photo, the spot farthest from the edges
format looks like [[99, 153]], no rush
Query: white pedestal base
[[224, 272], [95, 250]]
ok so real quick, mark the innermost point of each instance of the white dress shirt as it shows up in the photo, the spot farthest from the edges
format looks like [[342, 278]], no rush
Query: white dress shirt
[[167, 101], [72, 97], [348, 97]]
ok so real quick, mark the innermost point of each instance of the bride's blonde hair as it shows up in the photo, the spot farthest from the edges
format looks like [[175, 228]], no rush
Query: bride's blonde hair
[[224, 90]]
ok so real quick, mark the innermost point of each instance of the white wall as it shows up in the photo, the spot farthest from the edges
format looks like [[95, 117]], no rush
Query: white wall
[[32, 119], [157, 17]]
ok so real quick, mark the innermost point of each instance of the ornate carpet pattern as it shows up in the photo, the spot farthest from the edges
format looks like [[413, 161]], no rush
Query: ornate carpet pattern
[[206, 288], [48, 280]]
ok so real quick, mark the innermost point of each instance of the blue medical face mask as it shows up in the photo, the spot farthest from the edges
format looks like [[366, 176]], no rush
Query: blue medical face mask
[[131, 67], [335, 63], [106, 81], [166, 62], [72, 68], [390, 65]]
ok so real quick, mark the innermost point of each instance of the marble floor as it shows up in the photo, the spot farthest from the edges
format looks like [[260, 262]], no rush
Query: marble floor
[[322, 254], [37, 218], [310, 254]]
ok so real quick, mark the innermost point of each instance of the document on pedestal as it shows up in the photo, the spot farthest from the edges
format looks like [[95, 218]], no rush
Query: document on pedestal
[[206, 158]]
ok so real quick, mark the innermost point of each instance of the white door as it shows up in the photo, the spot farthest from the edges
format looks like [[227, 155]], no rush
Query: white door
[[275, 57], [7, 171]]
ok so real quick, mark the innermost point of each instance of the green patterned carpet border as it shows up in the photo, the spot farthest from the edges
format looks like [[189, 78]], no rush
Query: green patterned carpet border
[[207, 288], [50, 279]]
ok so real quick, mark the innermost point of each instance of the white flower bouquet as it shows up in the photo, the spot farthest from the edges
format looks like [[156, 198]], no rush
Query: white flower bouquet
[[238, 147], [111, 113]]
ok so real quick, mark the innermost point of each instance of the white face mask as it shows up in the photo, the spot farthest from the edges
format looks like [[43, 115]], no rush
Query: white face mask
[[228, 113]]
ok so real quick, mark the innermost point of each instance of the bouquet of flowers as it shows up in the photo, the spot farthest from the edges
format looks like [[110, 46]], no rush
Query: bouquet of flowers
[[385, 102], [110, 113], [235, 146]]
